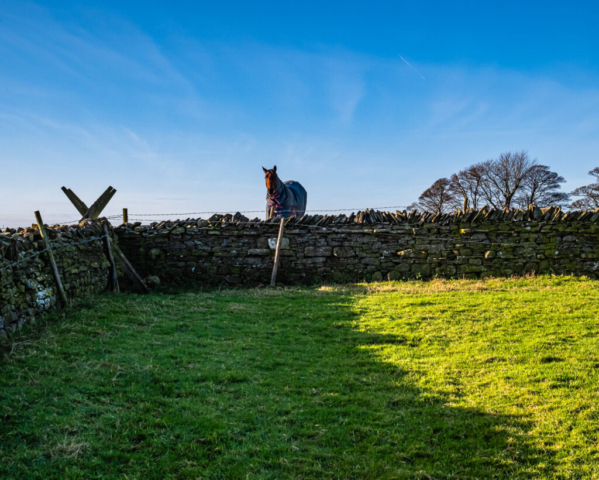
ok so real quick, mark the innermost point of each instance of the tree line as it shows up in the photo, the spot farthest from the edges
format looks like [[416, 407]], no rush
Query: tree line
[[513, 180]]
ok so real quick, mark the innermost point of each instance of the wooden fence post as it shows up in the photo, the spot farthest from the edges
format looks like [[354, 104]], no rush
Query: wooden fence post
[[75, 200], [125, 216], [273, 279], [129, 270], [114, 282], [94, 211], [46, 241]]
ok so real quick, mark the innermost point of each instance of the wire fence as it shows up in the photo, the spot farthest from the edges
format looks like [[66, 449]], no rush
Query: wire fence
[[144, 217], [258, 211], [51, 247], [72, 222]]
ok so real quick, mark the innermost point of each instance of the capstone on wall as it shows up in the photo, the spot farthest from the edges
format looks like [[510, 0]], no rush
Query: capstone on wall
[[366, 246]]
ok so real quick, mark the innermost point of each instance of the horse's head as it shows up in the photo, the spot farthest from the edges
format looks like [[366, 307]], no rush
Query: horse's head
[[271, 179]]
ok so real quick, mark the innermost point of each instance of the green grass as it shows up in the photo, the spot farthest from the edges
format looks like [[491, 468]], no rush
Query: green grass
[[444, 379]]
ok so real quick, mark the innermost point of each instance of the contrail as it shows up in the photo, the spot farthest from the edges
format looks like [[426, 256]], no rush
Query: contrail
[[412, 67]]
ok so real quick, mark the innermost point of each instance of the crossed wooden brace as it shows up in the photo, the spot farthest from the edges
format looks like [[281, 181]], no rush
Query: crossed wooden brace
[[95, 210], [93, 213]]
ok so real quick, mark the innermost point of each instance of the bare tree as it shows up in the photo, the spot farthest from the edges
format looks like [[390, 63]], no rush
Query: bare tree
[[589, 194], [467, 185], [513, 179], [503, 177], [540, 187], [436, 199]]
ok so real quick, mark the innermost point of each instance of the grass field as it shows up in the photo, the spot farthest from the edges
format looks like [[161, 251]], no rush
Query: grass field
[[444, 379]]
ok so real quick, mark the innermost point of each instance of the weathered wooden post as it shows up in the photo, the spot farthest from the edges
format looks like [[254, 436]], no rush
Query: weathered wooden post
[[75, 200], [129, 270], [48, 247], [114, 282], [465, 204], [273, 279], [125, 216], [94, 211]]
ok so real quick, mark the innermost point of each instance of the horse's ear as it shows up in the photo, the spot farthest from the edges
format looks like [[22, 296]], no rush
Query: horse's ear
[[274, 169], [264, 169]]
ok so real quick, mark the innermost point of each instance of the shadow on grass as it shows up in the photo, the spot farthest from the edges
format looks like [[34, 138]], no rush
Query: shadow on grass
[[254, 384]]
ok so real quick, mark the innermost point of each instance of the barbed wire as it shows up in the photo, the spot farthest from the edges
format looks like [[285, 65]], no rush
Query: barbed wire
[[51, 247], [137, 216], [254, 211], [10, 265], [71, 222]]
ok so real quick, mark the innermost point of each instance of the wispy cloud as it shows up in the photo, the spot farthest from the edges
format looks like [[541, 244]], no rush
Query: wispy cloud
[[346, 90], [97, 56], [412, 67]]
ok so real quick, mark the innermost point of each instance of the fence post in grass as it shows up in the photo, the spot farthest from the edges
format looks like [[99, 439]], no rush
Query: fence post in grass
[[125, 216], [273, 279], [129, 270], [114, 282], [47, 246]]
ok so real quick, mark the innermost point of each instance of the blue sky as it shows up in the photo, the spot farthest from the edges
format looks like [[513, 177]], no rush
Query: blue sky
[[178, 104]]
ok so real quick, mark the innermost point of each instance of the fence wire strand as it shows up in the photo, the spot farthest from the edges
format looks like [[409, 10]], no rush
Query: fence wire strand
[[253, 211], [51, 247], [138, 216]]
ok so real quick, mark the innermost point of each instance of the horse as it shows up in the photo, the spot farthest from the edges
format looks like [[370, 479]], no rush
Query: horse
[[283, 199]]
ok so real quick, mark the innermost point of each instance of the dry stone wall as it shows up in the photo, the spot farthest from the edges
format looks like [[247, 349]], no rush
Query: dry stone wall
[[368, 245], [27, 287]]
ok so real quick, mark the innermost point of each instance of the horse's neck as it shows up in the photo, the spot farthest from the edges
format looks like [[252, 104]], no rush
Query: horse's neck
[[279, 190]]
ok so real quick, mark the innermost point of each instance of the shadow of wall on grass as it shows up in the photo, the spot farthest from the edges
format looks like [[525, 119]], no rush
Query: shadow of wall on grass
[[402, 429]]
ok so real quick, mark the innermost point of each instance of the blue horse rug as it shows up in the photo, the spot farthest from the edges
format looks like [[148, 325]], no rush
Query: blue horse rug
[[289, 200]]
